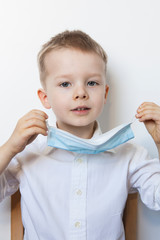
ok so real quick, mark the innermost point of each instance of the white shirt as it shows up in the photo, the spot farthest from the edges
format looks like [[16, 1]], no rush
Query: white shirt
[[69, 196]]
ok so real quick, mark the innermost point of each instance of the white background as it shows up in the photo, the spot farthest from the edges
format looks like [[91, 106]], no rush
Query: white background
[[130, 33]]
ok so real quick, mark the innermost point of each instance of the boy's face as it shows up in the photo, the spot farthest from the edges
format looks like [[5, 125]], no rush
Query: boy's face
[[74, 87]]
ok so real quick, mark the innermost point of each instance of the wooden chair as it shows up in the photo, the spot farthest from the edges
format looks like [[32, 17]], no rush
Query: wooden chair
[[129, 217], [16, 221]]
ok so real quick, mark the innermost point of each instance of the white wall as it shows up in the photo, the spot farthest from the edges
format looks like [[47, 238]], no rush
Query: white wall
[[129, 32]]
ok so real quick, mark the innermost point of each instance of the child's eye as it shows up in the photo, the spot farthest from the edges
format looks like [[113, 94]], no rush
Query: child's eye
[[65, 84], [92, 83]]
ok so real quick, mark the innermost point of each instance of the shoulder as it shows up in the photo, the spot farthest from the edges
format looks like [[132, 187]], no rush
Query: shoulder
[[29, 156], [130, 151], [37, 147]]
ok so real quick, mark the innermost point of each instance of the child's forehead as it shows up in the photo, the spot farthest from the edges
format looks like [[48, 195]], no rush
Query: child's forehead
[[70, 51], [67, 55], [68, 63]]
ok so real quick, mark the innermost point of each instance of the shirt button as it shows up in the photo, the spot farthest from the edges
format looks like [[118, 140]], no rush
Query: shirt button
[[79, 160], [79, 192], [77, 224]]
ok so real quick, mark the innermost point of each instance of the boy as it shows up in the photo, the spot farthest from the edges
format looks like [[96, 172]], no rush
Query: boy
[[68, 195]]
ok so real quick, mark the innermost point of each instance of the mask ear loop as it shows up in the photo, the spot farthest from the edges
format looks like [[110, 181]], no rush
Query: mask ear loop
[[47, 124], [133, 119]]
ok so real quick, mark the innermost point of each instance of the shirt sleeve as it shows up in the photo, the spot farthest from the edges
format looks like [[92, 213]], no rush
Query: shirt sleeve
[[144, 175], [8, 180]]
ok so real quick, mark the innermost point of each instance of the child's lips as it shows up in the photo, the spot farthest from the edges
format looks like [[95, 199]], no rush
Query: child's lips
[[81, 110]]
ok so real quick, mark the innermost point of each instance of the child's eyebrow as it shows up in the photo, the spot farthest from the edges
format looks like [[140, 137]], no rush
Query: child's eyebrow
[[64, 76], [95, 75], [89, 75]]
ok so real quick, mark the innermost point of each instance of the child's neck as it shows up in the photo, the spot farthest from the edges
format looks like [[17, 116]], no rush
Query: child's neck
[[82, 132]]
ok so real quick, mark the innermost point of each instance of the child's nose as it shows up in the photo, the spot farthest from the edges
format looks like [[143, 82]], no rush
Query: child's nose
[[80, 93]]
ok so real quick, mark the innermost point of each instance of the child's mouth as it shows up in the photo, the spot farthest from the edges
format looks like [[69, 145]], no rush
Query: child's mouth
[[81, 110]]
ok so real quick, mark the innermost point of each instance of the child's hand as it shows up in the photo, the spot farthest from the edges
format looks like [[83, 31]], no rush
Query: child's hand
[[149, 113], [27, 129]]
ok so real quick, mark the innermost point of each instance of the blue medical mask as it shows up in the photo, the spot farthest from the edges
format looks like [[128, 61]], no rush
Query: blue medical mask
[[61, 139]]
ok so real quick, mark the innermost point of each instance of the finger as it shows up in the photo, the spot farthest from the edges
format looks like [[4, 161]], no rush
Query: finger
[[37, 114], [148, 115], [34, 122], [34, 131], [149, 112], [147, 105]]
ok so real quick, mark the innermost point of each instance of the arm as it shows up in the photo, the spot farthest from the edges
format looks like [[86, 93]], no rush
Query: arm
[[149, 113], [144, 176], [27, 129], [5, 156]]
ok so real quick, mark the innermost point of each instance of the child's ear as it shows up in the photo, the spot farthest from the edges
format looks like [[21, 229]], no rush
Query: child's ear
[[43, 98], [106, 93]]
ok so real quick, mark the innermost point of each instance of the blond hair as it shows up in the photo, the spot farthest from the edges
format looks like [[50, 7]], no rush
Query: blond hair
[[69, 39]]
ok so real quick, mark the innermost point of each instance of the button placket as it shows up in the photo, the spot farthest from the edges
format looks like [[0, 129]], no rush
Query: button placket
[[78, 199]]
